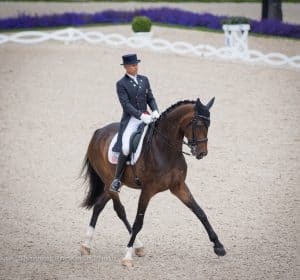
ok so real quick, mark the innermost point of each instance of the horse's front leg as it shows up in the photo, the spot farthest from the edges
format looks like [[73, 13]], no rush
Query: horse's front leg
[[144, 199], [184, 194]]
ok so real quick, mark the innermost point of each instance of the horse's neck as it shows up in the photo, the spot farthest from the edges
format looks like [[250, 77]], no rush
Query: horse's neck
[[173, 126]]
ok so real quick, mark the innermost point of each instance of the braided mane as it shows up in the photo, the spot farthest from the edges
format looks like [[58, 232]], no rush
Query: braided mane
[[173, 107], [165, 113]]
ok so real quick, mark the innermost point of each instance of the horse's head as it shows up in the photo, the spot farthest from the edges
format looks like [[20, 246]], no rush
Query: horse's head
[[198, 129]]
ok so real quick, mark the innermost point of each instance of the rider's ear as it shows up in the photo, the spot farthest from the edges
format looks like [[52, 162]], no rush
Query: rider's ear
[[210, 103]]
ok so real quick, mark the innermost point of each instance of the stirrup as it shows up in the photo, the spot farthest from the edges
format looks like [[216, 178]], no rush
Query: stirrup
[[115, 185]]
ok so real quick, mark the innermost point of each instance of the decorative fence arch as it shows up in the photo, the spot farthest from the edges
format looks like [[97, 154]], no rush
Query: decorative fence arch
[[202, 50]]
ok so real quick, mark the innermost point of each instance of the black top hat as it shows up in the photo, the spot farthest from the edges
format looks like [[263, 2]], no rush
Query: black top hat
[[130, 59]]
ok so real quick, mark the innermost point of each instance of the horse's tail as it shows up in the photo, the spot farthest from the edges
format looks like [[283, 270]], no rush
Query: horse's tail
[[96, 185]]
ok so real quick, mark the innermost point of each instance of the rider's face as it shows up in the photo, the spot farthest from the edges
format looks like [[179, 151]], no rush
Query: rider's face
[[131, 69]]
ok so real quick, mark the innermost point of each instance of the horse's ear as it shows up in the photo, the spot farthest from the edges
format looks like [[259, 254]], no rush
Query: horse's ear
[[198, 105], [210, 103]]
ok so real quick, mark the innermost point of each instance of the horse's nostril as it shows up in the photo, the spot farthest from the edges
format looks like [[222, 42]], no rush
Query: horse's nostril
[[200, 156]]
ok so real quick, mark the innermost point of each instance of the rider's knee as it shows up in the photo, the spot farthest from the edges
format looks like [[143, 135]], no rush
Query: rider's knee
[[125, 150]]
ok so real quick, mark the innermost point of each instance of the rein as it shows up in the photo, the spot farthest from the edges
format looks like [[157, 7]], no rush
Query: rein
[[170, 144]]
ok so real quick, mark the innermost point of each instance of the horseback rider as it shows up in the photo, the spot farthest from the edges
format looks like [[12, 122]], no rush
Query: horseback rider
[[134, 94]]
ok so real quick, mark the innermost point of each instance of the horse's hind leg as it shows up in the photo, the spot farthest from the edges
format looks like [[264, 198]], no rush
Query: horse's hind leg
[[184, 194], [98, 207], [120, 210]]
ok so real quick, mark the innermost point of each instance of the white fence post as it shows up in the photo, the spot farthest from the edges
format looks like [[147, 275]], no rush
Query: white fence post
[[236, 38]]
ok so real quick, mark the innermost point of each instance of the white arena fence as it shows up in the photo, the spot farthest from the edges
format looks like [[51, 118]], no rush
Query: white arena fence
[[202, 50]]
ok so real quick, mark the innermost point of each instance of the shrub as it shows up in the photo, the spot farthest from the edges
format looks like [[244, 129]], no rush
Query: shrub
[[141, 24], [236, 20]]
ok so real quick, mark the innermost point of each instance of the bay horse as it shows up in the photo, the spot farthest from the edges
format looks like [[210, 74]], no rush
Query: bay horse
[[161, 166]]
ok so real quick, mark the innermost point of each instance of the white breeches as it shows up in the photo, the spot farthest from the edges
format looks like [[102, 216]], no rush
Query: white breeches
[[131, 127]]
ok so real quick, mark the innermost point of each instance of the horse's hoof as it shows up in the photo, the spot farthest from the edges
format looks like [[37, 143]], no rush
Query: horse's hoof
[[85, 251], [140, 252], [220, 251], [127, 263]]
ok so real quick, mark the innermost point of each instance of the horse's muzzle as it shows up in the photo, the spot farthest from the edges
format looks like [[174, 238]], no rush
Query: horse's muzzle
[[198, 154], [201, 155]]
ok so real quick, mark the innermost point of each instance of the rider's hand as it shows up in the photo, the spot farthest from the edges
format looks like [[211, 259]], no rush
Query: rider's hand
[[146, 118], [155, 114]]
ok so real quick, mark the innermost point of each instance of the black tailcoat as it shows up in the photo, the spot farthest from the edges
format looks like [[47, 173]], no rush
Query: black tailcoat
[[134, 99]]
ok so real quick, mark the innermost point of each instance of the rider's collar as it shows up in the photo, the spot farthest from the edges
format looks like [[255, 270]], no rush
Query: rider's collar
[[132, 77]]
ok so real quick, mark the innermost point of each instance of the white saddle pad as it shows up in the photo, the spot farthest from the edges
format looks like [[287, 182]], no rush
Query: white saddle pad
[[134, 156]]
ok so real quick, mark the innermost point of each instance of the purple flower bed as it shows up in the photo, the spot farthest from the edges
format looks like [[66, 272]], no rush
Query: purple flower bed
[[159, 15]]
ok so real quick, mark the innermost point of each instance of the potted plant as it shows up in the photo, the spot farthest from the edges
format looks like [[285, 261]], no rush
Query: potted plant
[[141, 26], [236, 32]]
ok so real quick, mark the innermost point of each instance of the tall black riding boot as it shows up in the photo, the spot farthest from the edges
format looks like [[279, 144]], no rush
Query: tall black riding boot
[[116, 183]]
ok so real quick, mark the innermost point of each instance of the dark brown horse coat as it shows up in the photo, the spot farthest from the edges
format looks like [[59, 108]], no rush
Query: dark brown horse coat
[[160, 167]]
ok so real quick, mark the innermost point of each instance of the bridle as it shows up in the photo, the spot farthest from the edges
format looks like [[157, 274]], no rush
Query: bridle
[[192, 142]]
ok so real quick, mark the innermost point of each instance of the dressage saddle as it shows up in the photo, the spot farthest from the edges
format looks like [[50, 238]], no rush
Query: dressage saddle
[[136, 137]]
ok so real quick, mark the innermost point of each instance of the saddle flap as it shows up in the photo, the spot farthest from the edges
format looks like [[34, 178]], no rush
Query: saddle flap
[[136, 137], [135, 152]]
